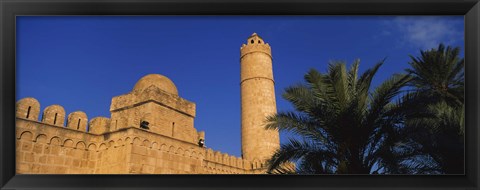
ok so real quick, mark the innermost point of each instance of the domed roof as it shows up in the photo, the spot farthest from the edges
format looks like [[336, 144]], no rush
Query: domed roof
[[160, 81]]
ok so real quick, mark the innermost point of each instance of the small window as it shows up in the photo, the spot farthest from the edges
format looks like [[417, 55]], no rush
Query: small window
[[55, 119], [28, 111], [259, 42], [78, 124], [252, 41]]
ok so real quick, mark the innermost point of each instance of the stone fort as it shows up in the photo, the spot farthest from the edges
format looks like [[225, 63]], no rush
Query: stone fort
[[150, 130]]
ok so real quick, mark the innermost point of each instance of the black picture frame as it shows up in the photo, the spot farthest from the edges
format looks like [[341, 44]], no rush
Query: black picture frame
[[9, 9]]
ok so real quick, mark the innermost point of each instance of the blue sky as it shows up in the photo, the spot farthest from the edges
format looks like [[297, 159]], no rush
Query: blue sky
[[82, 62]]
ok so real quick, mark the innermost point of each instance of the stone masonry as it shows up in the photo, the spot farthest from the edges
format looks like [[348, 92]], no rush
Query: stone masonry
[[61, 144], [258, 100]]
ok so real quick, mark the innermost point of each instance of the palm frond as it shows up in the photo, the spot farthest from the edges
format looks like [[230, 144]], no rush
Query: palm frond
[[296, 150]]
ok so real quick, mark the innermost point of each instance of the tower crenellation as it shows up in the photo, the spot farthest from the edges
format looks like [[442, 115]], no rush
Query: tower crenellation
[[255, 44]]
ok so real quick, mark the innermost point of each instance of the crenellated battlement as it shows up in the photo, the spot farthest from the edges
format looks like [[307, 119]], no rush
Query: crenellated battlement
[[218, 157], [56, 145], [29, 108], [99, 125], [217, 162], [255, 44]]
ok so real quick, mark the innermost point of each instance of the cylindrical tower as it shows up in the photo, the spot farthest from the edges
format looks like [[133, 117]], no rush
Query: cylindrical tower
[[258, 100]]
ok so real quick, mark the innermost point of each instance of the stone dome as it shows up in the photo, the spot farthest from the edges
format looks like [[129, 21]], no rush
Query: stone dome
[[160, 81]]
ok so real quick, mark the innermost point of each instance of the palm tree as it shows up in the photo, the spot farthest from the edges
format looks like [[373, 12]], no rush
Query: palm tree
[[434, 112], [437, 138], [438, 75], [343, 126]]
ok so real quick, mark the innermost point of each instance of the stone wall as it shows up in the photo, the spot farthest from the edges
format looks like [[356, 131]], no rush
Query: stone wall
[[47, 147], [168, 114]]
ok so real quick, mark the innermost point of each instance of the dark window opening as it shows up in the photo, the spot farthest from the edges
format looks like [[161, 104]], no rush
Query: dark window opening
[[55, 119], [173, 128], [28, 111], [252, 41], [78, 124], [116, 123], [259, 42], [144, 125]]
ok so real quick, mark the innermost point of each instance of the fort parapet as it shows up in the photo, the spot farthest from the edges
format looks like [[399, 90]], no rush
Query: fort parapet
[[150, 130], [49, 146], [57, 144]]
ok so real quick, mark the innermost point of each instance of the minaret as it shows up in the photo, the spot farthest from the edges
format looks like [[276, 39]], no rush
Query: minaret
[[258, 100]]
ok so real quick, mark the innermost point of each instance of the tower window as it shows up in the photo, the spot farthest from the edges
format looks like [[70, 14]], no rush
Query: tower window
[[259, 42], [78, 124], [252, 41], [28, 111], [55, 119]]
